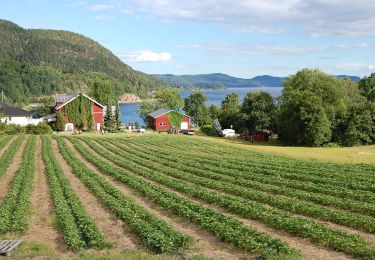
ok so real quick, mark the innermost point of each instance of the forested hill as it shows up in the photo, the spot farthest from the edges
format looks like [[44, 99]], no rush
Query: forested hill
[[40, 62]]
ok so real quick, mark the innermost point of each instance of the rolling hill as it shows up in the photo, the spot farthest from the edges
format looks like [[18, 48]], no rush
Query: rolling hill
[[37, 62], [219, 79]]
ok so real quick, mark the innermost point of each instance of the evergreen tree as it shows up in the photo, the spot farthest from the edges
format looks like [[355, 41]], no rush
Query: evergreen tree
[[108, 119], [216, 125], [116, 120]]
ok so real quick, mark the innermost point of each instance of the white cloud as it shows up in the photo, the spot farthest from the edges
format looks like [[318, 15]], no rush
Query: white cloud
[[319, 17], [146, 56], [101, 7], [264, 49], [356, 66]]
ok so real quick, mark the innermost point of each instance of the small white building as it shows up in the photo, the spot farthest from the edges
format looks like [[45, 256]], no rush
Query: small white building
[[15, 115]]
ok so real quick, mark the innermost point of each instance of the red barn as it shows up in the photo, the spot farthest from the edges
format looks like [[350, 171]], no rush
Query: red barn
[[158, 120], [97, 110], [261, 136]]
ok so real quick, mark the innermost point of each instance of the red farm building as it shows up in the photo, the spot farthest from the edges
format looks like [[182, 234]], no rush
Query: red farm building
[[98, 110], [158, 120], [262, 136]]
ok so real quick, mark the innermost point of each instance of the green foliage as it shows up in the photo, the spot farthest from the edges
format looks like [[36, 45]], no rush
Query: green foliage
[[175, 118], [11, 129], [317, 109], [116, 119], [78, 228], [40, 62], [146, 107], [102, 91], [208, 130], [258, 111], [230, 109], [42, 128], [79, 111], [224, 227], [170, 99], [59, 124], [8, 155], [367, 87], [212, 187], [214, 111], [196, 109], [153, 232], [216, 126], [15, 208]]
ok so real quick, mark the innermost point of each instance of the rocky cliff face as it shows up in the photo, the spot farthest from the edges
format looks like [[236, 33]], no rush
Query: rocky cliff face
[[129, 98]]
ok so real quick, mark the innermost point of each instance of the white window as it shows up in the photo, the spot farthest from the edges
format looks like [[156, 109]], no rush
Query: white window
[[163, 124]]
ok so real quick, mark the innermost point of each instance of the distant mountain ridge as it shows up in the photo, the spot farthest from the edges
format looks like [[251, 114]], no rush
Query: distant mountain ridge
[[219, 79]]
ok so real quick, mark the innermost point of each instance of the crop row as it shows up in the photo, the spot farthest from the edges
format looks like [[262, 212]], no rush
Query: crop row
[[8, 155], [219, 182], [360, 171], [312, 174], [154, 233], [217, 172], [78, 228], [15, 209], [225, 228], [333, 190], [4, 140], [278, 219]]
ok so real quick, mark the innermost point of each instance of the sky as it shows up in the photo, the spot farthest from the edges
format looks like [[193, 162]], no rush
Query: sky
[[241, 38]]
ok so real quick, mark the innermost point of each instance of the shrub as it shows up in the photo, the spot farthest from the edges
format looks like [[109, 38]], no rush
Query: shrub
[[208, 130]]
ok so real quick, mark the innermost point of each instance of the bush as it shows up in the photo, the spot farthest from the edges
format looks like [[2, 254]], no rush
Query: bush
[[12, 129], [40, 129], [209, 130]]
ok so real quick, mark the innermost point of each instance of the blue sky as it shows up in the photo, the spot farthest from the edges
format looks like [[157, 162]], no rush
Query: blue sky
[[242, 38]]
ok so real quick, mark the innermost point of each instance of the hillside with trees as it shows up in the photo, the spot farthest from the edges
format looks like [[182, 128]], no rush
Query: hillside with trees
[[36, 63]]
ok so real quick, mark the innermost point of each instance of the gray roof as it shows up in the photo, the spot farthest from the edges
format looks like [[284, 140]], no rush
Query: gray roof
[[65, 98], [10, 111], [159, 112]]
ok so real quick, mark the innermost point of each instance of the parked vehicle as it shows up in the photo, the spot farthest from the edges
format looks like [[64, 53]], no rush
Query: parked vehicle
[[228, 132]]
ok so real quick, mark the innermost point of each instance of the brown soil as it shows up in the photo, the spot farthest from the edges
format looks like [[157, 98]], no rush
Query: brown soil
[[308, 250], [42, 228], [7, 178], [112, 228], [206, 243]]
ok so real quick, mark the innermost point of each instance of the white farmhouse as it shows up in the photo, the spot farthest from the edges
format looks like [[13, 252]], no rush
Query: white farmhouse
[[15, 115]]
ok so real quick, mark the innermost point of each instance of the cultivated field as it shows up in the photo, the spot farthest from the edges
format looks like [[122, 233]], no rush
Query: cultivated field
[[174, 197]]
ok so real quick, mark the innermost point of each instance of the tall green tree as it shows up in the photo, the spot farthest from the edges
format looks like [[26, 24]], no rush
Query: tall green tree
[[214, 111], [102, 91], [195, 107], [170, 99], [313, 104], [367, 87], [258, 111], [230, 109]]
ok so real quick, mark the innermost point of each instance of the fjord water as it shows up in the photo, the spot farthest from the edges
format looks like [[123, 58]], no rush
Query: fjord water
[[129, 110]]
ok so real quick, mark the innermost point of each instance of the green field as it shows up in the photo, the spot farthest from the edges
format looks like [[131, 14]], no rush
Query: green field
[[134, 196]]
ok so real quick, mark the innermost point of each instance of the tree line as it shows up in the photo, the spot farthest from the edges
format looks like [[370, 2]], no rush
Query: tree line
[[314, 109]]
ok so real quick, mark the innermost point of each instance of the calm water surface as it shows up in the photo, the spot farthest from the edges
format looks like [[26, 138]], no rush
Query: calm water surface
[[129, 111]]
